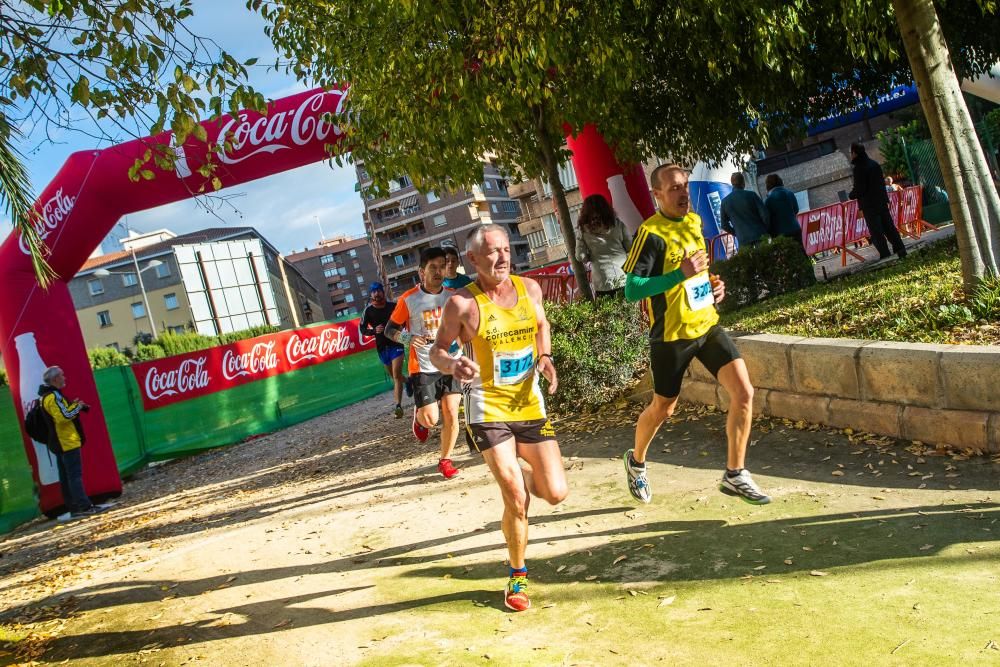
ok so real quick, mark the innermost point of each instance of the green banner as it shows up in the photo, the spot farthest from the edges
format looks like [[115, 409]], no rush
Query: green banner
[[223, 418]]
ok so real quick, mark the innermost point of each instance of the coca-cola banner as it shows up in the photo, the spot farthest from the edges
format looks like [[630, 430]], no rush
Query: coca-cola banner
[[185, 376], [822, 228]]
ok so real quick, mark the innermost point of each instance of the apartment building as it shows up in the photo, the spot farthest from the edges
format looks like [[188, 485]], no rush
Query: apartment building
[[211, 281], [538, 223], [342, 268], [405, 222]]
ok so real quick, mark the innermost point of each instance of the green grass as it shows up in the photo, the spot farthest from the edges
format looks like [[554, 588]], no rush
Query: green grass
[[916, 300]]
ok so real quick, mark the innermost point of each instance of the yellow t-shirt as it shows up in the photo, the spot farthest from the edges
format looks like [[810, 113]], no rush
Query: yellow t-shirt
[[506, 389], [686, 311]]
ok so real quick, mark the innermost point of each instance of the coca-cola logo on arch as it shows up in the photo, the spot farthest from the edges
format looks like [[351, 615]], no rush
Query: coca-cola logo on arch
[[248, 136], [55, 210]]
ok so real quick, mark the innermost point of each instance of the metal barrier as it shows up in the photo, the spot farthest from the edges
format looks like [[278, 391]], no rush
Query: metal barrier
[[840, 226]]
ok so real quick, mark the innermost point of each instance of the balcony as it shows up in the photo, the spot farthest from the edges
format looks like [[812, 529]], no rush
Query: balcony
[[478, 194], [530, 226], [555, 252], [524, 189]]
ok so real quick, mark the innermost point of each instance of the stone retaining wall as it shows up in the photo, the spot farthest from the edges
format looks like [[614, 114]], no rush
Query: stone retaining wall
[[938, 394]]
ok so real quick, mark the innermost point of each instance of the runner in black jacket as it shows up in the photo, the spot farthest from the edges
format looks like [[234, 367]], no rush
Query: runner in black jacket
[[373, 320]]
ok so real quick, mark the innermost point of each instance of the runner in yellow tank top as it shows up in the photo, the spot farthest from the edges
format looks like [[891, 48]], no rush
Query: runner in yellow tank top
[[506, 389], [501, 320]]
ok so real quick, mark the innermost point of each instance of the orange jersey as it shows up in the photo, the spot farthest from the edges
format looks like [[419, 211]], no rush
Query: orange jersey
[[420, 312]]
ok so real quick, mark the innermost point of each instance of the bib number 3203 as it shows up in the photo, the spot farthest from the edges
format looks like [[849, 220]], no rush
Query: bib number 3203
[[699, 293], [513, 367]]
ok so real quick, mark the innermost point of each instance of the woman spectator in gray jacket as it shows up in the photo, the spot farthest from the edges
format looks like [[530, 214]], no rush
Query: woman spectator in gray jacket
[[603, 241]]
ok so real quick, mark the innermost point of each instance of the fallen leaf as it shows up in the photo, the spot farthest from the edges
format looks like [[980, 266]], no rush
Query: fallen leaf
[[665, 601], [818, 573], [619, 559], [282, 624]]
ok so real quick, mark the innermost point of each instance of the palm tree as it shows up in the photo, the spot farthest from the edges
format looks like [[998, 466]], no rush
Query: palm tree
[[17, 198]]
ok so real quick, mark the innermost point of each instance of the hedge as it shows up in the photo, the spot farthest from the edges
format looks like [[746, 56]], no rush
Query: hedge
[[764, 270]]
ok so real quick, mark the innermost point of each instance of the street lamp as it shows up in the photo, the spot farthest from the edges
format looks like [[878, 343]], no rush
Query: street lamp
[[151, 264]]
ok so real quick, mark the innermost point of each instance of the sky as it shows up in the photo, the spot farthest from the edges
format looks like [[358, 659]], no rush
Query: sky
[[288, 209]]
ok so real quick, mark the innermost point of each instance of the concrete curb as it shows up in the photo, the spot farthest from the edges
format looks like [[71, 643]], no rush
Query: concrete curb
[[938, 394]]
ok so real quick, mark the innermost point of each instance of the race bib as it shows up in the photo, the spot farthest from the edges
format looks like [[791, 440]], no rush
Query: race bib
[[699, 293], [513, 367]]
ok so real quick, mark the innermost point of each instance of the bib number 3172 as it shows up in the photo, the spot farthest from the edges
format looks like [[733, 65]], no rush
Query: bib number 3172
[[699, 293], [513, 367]]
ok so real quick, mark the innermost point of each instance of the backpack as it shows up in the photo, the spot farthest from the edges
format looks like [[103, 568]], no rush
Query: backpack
[[36, 423]]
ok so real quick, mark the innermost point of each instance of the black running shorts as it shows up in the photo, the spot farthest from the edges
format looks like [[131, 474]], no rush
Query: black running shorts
[[430, 387], [668, 360], [490, 434]]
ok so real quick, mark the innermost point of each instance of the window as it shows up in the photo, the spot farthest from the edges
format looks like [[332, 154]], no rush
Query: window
[[104, 318], [353, 252], [115, 347], [95, 286], [349, 298], [343, 284], [487, 184], [163, 270], [342, 270], [176, 330], [326, 259], [494, 208], [567, 176], [138, 310], [400, 261], [357, 265], [552, 231], [330, 273], [510, 207], [361, 280], [399, 183], [440, 220], [129, 279], [364, 294], [170, 301], [432, 197]]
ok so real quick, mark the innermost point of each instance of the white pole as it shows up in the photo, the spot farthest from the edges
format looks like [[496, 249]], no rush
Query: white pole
[[142, 288]]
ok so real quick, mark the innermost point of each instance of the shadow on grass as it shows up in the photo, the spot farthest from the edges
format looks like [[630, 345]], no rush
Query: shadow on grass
[[795, 455], [700, 549]]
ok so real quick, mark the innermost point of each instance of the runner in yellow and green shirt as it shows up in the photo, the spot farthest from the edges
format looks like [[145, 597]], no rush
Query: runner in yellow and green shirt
[[667, 269]]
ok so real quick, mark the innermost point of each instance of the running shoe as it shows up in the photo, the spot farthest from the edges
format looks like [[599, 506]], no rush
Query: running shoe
[[90, 511], [743, 487], [399, 412], [515, 595], [638, 485], [446, 468], [420, 431]]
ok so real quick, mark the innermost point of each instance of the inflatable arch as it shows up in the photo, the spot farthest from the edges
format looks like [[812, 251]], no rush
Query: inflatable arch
[[92, 191]]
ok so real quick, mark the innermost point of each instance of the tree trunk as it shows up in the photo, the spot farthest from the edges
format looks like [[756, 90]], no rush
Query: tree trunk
[[547, 153], [975, 206]]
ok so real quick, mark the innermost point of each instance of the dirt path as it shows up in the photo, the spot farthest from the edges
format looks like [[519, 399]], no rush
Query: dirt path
[[328, 543]]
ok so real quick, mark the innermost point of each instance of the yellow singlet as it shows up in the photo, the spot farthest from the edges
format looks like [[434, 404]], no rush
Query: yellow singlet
[[506, 389]]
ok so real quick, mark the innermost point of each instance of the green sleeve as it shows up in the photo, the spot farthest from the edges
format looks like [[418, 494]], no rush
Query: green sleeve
[[640, 287]]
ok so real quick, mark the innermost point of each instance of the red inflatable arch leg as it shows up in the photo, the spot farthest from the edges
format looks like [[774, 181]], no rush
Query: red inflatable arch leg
[[89, 195]]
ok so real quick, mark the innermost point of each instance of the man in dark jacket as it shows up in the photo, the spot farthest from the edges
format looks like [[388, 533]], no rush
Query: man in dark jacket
[[373, 320], [66, 440], [782, 209], [743, 213], [869, 190]]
